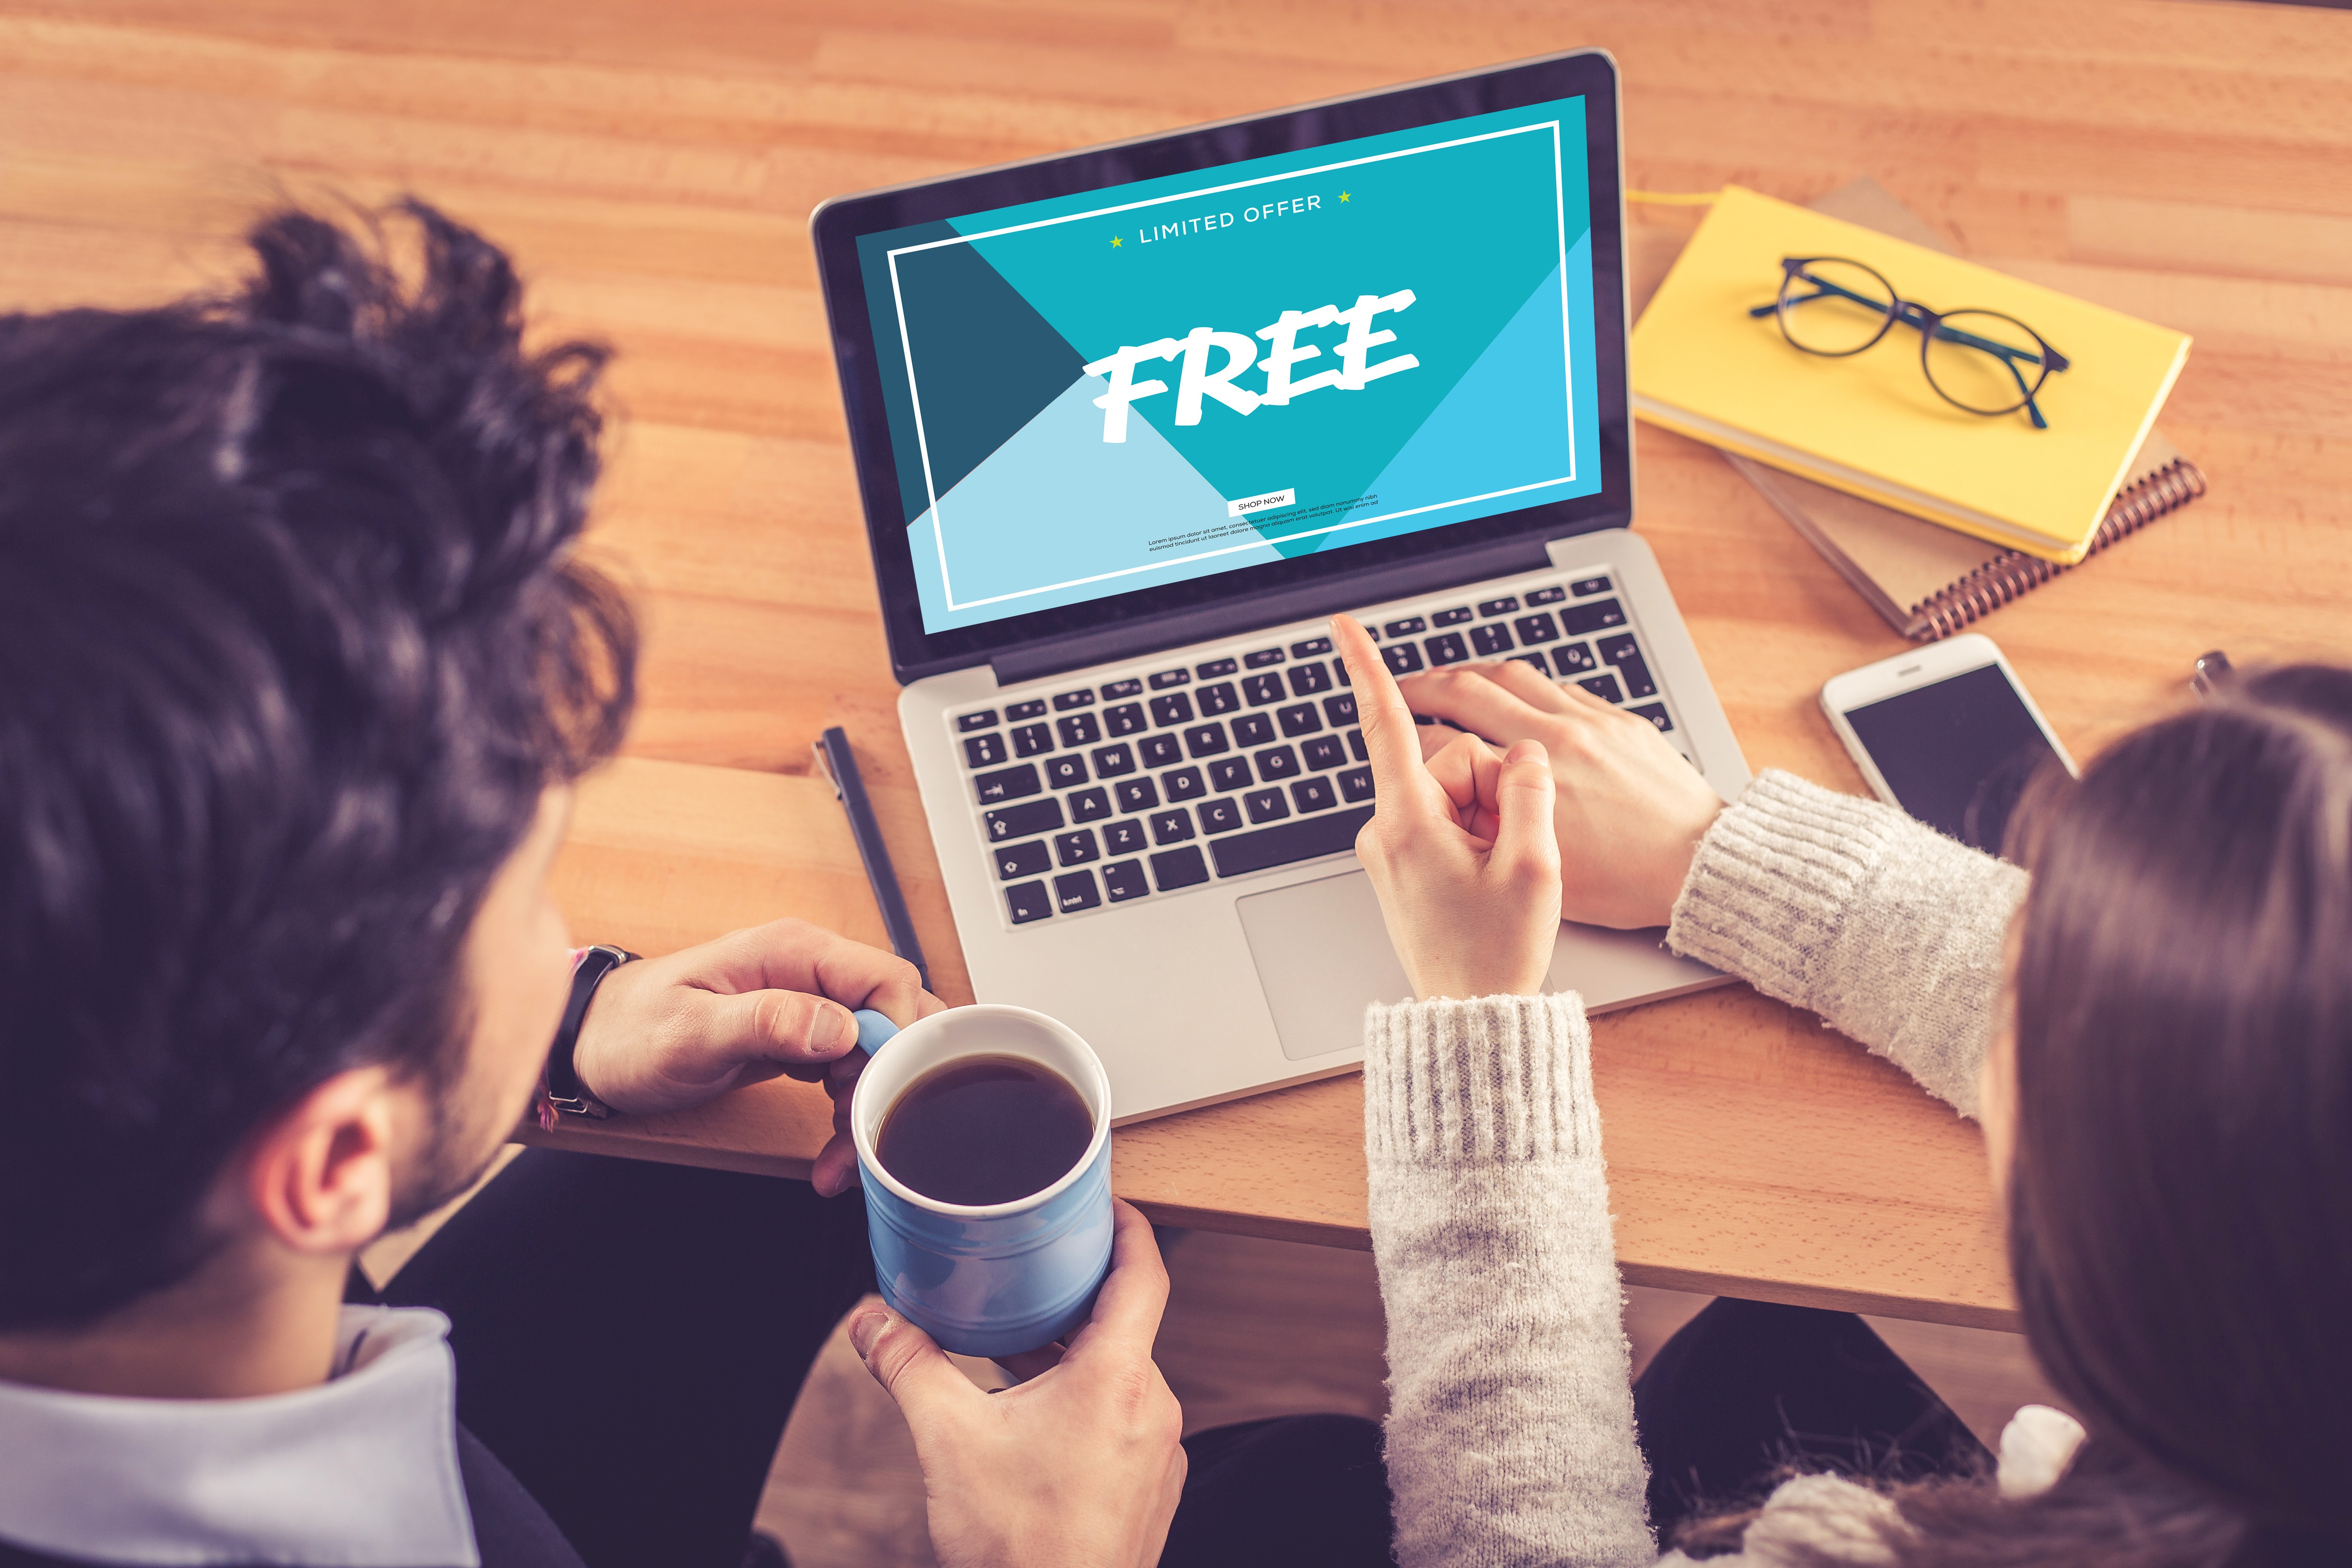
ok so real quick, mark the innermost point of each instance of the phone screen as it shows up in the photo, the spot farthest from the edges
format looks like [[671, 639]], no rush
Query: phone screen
[[1958, 753]]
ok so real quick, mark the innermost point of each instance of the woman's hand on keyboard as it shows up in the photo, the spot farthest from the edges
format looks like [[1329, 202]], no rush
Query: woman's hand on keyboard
[[1460, 848], [1630, 809]]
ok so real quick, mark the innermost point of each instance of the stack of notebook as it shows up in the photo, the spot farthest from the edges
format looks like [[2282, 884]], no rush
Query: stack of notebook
[[1936, 516]]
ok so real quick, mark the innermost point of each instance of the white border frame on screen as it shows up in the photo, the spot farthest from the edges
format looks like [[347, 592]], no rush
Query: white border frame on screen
[[1560, 208]]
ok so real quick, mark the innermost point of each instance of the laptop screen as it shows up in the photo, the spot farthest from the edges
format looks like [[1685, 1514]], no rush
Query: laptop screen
[[1168, 379]]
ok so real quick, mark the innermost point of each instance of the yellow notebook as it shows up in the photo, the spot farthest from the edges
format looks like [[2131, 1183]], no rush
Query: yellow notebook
[[1870, 423]]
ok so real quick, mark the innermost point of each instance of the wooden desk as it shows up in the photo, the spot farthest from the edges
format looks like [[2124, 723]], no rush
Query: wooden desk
[[650, 165]]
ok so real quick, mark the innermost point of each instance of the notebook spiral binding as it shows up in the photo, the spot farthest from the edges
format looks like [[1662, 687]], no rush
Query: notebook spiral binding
[[1999, 580]]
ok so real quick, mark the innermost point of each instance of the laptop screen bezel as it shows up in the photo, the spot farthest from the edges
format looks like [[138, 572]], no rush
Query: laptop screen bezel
[[835, 226]]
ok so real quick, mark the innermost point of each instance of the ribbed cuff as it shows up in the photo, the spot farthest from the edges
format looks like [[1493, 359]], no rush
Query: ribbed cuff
[[1772, 878], [1497, 1079]]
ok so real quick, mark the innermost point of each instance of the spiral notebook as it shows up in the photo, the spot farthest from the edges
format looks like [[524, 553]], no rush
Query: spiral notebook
[[1929, 581]]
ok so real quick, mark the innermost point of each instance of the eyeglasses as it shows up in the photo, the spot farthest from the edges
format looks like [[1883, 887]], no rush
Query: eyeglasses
[[1981, 360]]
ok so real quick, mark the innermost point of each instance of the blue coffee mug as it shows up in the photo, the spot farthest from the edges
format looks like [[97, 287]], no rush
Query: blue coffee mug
[[996, 1279]]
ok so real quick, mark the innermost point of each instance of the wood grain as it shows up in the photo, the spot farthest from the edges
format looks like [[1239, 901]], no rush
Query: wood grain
[[650, 167]]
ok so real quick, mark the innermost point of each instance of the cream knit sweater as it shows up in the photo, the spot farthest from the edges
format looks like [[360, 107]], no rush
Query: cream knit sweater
[[1511, 1431]]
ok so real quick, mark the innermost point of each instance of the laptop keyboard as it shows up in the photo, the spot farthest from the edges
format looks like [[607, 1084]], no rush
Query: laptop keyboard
[[1184, 774]]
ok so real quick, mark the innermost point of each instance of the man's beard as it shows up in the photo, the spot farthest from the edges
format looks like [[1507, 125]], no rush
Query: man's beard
[[456, 1155]]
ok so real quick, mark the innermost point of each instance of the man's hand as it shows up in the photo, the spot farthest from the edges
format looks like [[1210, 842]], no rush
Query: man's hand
[[1630, 810], [1460, 848], [666, 1033], [1078, 1468]]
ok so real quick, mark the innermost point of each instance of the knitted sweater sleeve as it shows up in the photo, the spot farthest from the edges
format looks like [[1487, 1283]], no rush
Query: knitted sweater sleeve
[[1891, 931], [1511, 1427]]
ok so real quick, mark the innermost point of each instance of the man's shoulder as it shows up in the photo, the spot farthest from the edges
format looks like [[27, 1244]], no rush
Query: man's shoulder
[[510, 1528]]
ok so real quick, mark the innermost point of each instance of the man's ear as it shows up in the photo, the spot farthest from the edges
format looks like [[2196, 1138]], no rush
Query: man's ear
[[320, 1175]]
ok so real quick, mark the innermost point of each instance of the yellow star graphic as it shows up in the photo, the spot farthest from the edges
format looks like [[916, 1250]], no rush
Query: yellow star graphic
[[1343, 195], [1113, 242]]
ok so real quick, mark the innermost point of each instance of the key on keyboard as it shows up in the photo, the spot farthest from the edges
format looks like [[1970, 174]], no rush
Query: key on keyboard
[[1581, 620], [1022, 821], [1301, 839], [1012, 784], [1264, 805], [1175, 869], [1028, 859]]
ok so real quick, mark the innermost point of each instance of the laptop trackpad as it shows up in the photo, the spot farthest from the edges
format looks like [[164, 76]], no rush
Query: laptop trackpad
[[1322, 952]]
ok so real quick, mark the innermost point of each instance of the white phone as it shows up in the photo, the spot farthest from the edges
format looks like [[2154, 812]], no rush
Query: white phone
[[1947, 734]]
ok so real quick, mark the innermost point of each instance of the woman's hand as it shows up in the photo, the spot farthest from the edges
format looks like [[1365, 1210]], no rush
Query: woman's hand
[[1461, 849], [757, 1003], [1630, 809], [1080, 1466]]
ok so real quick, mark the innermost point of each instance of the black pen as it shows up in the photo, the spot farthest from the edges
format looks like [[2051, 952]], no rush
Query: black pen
[[834, 757]]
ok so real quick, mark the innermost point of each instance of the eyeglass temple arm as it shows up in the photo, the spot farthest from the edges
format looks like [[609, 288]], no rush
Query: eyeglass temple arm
[[1821, 289]]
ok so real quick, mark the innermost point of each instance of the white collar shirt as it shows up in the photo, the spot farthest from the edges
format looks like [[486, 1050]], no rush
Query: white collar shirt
[[358, 1472]]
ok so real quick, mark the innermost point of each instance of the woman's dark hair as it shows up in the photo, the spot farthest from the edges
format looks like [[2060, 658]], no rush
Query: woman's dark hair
[[292, 641], [2180, 1196]]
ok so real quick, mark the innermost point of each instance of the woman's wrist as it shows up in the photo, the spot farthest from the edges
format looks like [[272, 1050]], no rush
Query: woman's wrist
[[1506, 1077]]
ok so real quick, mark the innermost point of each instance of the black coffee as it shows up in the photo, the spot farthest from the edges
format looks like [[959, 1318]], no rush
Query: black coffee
[[985, 1129]]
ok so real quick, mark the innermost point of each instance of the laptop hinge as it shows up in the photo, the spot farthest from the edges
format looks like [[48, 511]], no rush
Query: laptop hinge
[[1234, 617]]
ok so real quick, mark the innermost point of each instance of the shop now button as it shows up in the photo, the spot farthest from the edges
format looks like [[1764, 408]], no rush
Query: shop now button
[[1266, 502]]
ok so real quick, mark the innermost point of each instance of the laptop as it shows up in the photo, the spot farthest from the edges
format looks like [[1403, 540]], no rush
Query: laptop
[[1132, 423]]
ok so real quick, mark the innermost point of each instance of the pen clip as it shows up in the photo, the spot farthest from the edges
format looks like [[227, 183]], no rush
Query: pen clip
[[825, 766], [2212, 674]]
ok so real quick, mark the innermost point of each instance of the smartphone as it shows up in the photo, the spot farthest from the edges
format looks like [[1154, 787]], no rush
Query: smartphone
[[1947, 733]]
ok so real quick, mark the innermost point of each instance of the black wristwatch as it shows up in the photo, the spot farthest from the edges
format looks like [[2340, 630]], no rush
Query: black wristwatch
[[565, 1092]]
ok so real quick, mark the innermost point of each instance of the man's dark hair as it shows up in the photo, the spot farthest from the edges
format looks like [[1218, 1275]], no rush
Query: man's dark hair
[[292, 641]]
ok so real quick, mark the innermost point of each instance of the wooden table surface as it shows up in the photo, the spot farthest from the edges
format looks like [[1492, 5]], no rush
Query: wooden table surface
[[651, 165]]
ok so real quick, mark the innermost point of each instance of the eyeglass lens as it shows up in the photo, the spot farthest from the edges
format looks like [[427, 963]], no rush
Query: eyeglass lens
[[1985, 362], [1835, 307]]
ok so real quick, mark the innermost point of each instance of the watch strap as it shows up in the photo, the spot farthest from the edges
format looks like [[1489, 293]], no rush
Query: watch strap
[[565, 1092]]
